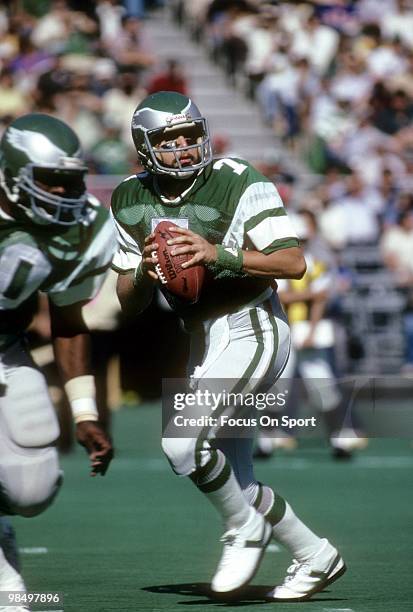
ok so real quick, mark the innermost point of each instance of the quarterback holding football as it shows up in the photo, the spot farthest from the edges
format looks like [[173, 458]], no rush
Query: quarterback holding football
[[55, 239], [226, 217]]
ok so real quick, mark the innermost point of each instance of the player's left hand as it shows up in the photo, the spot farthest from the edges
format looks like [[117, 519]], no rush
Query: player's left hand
[[149, 256], [98, 445], [203, 251]]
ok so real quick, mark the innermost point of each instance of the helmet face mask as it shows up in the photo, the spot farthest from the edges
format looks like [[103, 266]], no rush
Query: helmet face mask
[[157, 125], [50, 195], [42, 172]]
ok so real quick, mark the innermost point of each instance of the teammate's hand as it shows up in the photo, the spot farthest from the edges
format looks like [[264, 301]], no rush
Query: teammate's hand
[[188, 242], [98, 445], [149, 256]]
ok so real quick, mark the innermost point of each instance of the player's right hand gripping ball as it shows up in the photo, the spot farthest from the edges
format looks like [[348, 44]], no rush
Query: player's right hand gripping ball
[[184, 283]]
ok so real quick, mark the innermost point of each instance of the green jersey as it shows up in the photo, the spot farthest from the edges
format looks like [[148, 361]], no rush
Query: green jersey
[[66, 263], [229, 203]]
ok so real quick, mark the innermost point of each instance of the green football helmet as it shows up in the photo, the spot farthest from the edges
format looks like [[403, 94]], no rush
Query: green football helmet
[[162, 117], [42, 172]]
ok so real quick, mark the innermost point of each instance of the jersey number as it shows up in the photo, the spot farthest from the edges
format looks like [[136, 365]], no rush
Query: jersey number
[[23, 268], [236, 166], [18, 280]]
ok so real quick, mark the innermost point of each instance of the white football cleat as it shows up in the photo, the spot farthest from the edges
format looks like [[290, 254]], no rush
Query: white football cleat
[[10, 580], [348, 440], [242, 554], [308, 577]]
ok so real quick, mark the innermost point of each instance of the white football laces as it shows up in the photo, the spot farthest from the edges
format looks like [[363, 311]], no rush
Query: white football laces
[[158, 269]]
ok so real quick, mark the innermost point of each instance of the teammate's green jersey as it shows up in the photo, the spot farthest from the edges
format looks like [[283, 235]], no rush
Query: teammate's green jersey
[[229, 203], [66, 263]]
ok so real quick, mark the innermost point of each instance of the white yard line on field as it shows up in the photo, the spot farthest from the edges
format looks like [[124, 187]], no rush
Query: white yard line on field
[[34, 550]]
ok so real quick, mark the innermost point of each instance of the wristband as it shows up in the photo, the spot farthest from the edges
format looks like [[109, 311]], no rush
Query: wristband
[[229, 258], [81, 394], [84, 409]]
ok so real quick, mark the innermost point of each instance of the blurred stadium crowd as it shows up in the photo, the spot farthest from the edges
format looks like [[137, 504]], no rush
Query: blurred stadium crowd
[[333, 80]]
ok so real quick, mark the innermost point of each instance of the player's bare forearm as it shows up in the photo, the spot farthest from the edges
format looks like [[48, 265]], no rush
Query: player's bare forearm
[[134, 298], [72, 355], [286, 263], [71, 341]]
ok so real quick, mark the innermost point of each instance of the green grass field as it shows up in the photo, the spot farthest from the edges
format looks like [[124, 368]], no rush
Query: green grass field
[[143, 539]]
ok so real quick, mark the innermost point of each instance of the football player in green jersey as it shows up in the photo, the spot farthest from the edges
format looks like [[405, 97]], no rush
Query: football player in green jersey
[[56, 239], [231, 220]]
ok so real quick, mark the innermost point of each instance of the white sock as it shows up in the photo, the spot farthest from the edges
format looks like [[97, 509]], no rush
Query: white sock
[[220, 486], [231, 503], [297, 537]]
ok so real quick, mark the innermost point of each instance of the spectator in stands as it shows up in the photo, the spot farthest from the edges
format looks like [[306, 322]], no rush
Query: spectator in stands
[[351, 81], [397, 115], [81, 108], [172, 78], [62, 29], [12, 101], [261, 41], [271, 165], [111, 154], [312, 346], [397, 250], [104, 74], [316, 42], [228, 27], [353, 218], [131, 48], [120, 101], [387, 59], [389, 190], [399, 23], [29, 63], [397, 247], [284, 94], [110, 13]]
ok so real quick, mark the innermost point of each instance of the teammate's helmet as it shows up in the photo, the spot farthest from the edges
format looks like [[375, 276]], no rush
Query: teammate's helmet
[[161, 117], [39, 153]]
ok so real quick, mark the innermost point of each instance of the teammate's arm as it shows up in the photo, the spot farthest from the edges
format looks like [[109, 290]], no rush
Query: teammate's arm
[[71, 347]]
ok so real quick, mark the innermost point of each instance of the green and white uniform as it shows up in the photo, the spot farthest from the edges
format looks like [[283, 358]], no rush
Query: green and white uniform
[[68, 264], [229, 203], [239, 316]]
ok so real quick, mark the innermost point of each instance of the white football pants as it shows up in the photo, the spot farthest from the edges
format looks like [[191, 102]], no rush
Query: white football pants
[[249, 347], [29, 469]]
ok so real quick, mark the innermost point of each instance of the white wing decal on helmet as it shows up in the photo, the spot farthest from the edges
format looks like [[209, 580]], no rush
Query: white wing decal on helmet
[[38, 148]]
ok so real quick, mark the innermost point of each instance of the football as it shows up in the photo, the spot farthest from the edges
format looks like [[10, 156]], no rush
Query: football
[[185, 284]]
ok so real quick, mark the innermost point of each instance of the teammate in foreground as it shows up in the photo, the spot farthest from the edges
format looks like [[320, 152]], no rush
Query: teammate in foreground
[[234, 223], [53, 239]]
